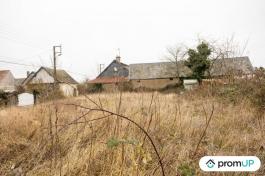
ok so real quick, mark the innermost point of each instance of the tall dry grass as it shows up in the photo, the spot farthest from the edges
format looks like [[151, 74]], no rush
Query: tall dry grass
[[59, 138]]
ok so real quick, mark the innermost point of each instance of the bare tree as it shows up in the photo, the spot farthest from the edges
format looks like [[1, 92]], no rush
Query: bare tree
[[176, 54], [220, 49], [223, 49]]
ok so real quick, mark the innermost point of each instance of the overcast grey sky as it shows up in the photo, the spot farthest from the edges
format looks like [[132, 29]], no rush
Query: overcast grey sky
[[91, 31]]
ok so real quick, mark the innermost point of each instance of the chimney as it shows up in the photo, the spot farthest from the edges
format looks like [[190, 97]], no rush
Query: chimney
[[118, 58], [28, 72]]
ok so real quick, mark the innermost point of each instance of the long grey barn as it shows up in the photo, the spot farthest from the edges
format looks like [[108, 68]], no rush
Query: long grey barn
[[162, 74]]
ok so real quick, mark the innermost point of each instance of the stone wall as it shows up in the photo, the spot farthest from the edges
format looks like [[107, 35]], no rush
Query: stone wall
[[154, 83]]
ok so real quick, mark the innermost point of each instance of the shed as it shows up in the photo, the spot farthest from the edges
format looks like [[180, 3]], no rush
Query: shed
[[25, 99], [190, 83]]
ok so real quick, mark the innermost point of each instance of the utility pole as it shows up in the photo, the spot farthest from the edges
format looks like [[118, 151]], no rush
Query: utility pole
[[55, 54]]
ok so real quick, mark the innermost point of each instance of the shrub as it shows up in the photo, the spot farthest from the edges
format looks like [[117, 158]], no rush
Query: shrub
[[125, 86], [82, 88], [46, 92], [186, 170], [94, 88], [250, 89]]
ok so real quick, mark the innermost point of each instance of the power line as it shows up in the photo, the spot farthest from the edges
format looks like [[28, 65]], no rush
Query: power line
[[24, 58], [5, 34], [18, 42], [32, 65], [15, 63]]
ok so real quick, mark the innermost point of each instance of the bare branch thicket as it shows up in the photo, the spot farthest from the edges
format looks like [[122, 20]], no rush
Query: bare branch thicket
[[176, 54], [151, 117], [227, 48], [208, 120], [112, 114]]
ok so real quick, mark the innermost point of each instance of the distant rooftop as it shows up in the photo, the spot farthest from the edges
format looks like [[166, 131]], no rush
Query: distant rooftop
[[161, 70]]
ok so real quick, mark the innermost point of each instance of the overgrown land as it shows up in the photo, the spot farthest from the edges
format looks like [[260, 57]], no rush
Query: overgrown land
[[108, 133]]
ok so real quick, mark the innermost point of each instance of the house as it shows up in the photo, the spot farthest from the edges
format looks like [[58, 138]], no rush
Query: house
[[7, 81], [45, 77], [162, 74], [116, 72]]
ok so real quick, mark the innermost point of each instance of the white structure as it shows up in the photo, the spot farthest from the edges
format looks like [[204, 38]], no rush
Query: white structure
[[7, 81], [45, 75], [190, 83], [25, 99]]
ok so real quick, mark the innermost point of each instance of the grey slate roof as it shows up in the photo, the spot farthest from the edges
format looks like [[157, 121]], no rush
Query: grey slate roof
[[157, 70], [236, 65], [62, 75], [109, 71], [161, 70]]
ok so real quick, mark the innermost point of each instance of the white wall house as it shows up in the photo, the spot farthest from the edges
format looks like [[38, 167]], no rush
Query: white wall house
[[67, 84]]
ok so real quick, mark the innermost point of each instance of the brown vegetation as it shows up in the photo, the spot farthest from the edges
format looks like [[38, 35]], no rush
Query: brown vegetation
[[76, 137]]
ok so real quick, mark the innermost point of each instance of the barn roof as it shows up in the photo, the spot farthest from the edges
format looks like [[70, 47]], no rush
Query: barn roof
[[236, 65], [157, 70], [161, 70]]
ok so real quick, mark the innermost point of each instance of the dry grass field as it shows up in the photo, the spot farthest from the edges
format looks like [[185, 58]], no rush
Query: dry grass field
[[76, 137]]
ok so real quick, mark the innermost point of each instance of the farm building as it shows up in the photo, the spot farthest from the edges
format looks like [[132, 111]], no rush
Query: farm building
[[157, 75], [44, 77], [162, 74], [7, 81], [7, 88], [238, 66], [116, 72]]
